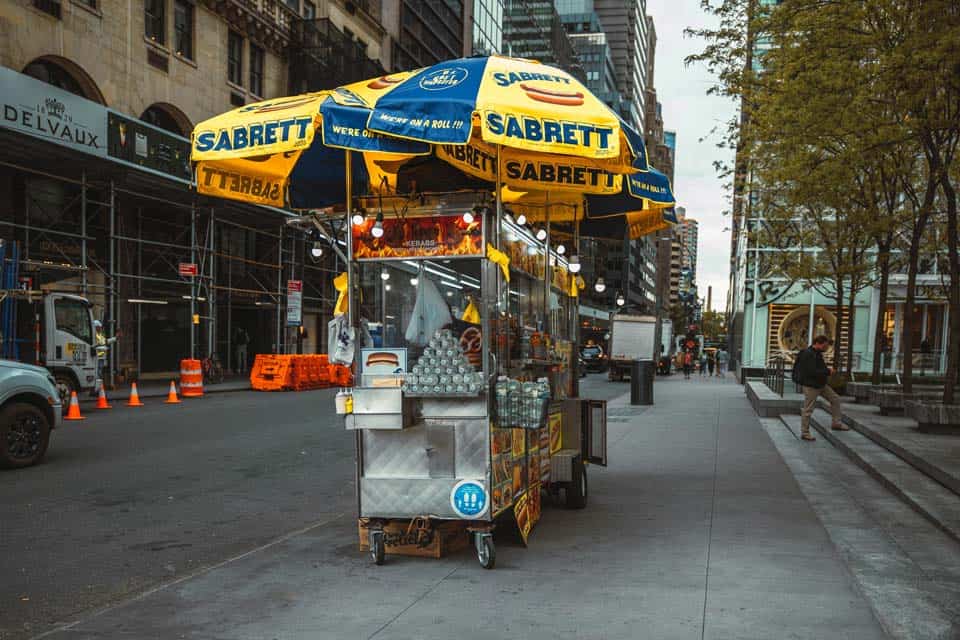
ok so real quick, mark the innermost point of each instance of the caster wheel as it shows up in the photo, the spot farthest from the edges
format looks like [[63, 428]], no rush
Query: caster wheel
[[486, 552], [376, 547]]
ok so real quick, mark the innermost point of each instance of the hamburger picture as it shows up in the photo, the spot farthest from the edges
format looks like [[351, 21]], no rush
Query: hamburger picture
[[383, 82], [382, 362]]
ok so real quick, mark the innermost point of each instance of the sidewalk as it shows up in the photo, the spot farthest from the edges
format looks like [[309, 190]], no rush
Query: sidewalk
[[697, 529]]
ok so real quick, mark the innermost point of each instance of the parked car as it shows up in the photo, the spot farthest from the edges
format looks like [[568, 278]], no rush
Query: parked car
[[593, 357], [29, 409]]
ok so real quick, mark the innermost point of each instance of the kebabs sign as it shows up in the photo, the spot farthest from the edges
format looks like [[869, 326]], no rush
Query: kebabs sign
[[425, 237]]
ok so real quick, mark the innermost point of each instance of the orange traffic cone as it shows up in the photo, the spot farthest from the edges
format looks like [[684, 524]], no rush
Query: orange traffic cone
[[102, 400], [134, 397], [74, 411], [172, 395]]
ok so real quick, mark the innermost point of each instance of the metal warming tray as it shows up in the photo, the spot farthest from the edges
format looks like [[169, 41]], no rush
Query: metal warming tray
[[381, 408]]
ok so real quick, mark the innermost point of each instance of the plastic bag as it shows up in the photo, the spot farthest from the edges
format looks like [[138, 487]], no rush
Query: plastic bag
[[430, 313], [341, 341]]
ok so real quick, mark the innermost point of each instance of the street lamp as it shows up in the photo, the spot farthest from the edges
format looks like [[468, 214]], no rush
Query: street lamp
[[600, 286]]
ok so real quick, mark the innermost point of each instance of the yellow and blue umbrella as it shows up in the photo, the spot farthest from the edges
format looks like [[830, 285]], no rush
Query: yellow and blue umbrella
[[516, 103], [290, 151]]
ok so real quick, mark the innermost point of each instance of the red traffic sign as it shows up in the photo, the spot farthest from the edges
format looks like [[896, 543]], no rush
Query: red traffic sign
[[188, 269]]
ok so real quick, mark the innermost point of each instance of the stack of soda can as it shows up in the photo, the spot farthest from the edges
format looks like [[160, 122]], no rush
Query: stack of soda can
[[521, 404], [443, 370]]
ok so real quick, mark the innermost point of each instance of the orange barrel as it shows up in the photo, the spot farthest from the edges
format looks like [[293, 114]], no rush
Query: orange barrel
[[191, 379]]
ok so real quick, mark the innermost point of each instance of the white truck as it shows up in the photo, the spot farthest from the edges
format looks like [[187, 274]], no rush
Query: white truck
[[666, 337], [55, 331], [631, 338]]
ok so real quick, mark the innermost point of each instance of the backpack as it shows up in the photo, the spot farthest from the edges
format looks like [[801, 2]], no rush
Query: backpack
[[795, 372]]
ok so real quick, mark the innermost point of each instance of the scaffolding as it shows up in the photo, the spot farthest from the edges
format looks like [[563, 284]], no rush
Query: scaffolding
[[119, 236]]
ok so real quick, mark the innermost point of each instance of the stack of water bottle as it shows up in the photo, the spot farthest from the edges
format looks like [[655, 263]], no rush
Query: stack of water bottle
[[522, 404], [443, 370]]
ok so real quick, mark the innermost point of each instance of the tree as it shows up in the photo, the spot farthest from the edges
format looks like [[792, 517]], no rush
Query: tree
[[712, 325]]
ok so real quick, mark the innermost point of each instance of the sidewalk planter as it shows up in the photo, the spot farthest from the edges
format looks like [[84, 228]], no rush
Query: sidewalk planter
[[933, 416]]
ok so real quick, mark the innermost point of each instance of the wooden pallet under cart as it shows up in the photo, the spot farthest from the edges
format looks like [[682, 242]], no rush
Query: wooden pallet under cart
[[420, 537]]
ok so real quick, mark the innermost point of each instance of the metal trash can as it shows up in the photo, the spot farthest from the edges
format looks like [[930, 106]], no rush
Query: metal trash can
[[642, 373]]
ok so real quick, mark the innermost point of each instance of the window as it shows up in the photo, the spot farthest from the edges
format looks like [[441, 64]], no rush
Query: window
[[309, 10], [235, 58], [183, 28], [153, 20], [256, 70], [73, 317]]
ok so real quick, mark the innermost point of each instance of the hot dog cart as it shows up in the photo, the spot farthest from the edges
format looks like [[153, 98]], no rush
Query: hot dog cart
[[468, 421]]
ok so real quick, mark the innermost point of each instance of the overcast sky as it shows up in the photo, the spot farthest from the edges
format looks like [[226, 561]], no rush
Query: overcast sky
[[692, 114]]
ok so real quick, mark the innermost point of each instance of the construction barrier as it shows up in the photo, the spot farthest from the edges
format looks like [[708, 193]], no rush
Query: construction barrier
[[297, 373], [191, 379]]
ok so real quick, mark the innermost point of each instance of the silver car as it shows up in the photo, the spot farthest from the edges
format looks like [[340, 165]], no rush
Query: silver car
[[29, 409]]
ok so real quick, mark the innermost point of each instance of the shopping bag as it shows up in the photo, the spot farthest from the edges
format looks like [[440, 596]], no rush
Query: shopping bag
[[430, 313]]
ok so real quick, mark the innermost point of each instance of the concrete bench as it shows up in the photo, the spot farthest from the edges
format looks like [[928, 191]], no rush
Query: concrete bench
[[933, 416], [891, 401]]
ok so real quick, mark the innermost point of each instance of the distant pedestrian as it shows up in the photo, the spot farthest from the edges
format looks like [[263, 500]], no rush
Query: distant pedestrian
[[687, 364], [240, 341], [811, 372], [711, 363], [703, 364], [722, 358]]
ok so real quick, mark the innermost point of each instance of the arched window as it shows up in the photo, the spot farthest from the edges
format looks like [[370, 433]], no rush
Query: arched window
[[66, 75], [167, 117]]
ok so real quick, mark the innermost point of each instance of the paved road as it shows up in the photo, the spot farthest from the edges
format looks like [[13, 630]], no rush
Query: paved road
[[697, 529], [136, 497]]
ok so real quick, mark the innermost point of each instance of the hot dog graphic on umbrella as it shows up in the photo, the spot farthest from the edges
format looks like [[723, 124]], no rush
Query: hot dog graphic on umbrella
[[553, 96]]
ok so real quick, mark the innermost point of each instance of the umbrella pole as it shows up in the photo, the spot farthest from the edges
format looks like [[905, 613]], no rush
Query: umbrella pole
[[547, 270], [349, 226]]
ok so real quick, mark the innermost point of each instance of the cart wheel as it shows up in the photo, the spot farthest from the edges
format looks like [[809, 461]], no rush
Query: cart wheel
[[576, 489], [376, 547], [486, 552]]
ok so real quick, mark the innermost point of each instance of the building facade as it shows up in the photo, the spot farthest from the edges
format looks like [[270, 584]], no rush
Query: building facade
[[115, 217]]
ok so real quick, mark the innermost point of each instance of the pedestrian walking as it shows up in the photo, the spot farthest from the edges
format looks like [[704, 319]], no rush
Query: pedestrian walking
[[703, 364], [687, 364], [722, 358], [811, 372], [240, 341], [711, 363]]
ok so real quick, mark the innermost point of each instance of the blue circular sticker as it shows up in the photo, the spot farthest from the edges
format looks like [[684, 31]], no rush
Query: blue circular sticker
[[468, 499]]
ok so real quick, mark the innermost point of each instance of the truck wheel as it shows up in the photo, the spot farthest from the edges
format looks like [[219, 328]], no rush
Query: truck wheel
[[24, 435], [576, 491], [66, 386]]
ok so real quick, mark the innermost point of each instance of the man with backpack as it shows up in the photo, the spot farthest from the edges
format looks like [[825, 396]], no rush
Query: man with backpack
[[811, 372]]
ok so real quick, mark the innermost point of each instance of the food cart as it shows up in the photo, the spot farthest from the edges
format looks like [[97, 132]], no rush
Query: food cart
[[459, 320], [464, 420]]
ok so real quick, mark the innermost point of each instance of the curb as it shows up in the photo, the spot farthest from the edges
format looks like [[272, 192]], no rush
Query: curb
[[163, 394]]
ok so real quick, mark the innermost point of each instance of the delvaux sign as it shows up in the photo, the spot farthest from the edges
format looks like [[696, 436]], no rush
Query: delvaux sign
[[36, 108]]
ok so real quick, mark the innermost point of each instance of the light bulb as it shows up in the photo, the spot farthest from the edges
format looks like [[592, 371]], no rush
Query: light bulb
[[384, 275], [468, 217], [600, 286], [521, 219], [541, 234], [561, 249], [386, 287], [449, 294], [531, 251], [377, 231], [574, 265], [620, 299], [317, 249], [358, 219], [414, 281]]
